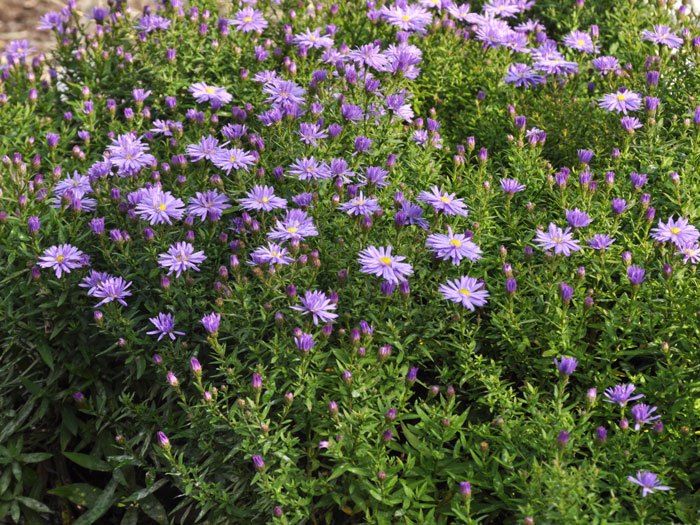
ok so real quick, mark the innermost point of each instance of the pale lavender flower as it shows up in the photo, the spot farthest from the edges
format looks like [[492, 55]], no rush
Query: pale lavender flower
[[444, 202], [407, 17], [601, 241], [381, 263], [662, 35], [621, 394], [232, 159], [566, 366], [181, 257], [158, 207], [112, 289], [209, 204], [467, 291], [165, 325], [642, 413], [690, 251], [622, 101], [511, 186], [129, 155], [309, 168], [262, 198], [318, 306], [605, 64], [271, 254], [216, 96], [413, 214], [580, 41], [577, 218], [360, 205], [679, 232], [204, 149], [454, 246], [561, 241], [296, 226], [636, 274], [211, 322], [248, 20], [62, 258], [648, 481], [312, 40]]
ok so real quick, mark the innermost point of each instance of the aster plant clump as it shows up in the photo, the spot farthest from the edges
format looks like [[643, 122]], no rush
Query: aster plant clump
[[384, 262]]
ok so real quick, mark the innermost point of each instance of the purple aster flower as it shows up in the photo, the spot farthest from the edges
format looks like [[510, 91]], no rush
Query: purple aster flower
[[455, 246], [413, 215], [501, 8], [312, 40], [373, 175], [369, 55], [53, 20], [310, 133], [523, 75], [636, 274], [281, 93], [580, 41], [262, 198], [621, 394], [232, 159], [248, 20], [93, 280], [351, 112], [629, 124], [577, 218], [297, 225], [443, 201], [149, 23], [304, 342], [303, 199], [642, 413], [468, 291], [511, 186], [380, 262], [601, 241], [680, 232], [112, 289], [180, 257], [258, 463], [129, 155], [62, 258], [318, 305], [562, 242], [619, 206], [216, 96], [690, 251], [407, 17], [204, 149], [638, 179], [211, 322], [648, 481], [309, 168], [622, 101], [165, 325], [158, 206], [210, 204], [556, 66], [360, 205], [662, 35], [74, 187], [566, 366], [605, 64], [271, 254]]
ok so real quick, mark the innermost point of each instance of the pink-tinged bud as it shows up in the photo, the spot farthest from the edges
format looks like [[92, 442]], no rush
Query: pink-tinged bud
[[258, 463], [157, 359], [163, 440], [172, 380], [333, 408], [591, 395], [195, 366], [465, 489], [256, 382]]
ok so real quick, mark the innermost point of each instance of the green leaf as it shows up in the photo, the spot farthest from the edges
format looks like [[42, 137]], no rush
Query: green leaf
[[35, 457], [154, 509], [131, 517], [45, 353], [101, 505], [142, 493], [88, 462], [33, 504], [82, 494]]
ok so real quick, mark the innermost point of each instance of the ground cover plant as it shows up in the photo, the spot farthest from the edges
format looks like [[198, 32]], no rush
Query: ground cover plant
[[412, 262]]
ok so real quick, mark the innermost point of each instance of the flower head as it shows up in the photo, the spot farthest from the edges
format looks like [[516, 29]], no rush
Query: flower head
[[262, 198], [648, 481], [271, 254], [216, 96], [380, 262], [443, 201], [62, 258], [454, 246], [181, 257], [679, 232], [642, 413], [248, 20], [318, 305], [165, 325], [158, 206], [360, 205], [112, 289], [622, 101], [601, 241], [621, 394], [129, 155], [566, 366], [561, 241], [511, 186], [296, 226], [210, 204], [467, 291], [662, 35]]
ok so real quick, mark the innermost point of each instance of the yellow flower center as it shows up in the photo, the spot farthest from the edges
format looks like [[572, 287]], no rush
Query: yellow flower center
[[445, 199], [59, 258], [456, 242], [161, 207], [558, 240], [465, 292], [621, 97], [312, 38], [265, 199], [675, 231], [232, 158], [405, 18], [275, 254], [248, 19], [292, 229], [580, 43], [209, 90], [385, 260]]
